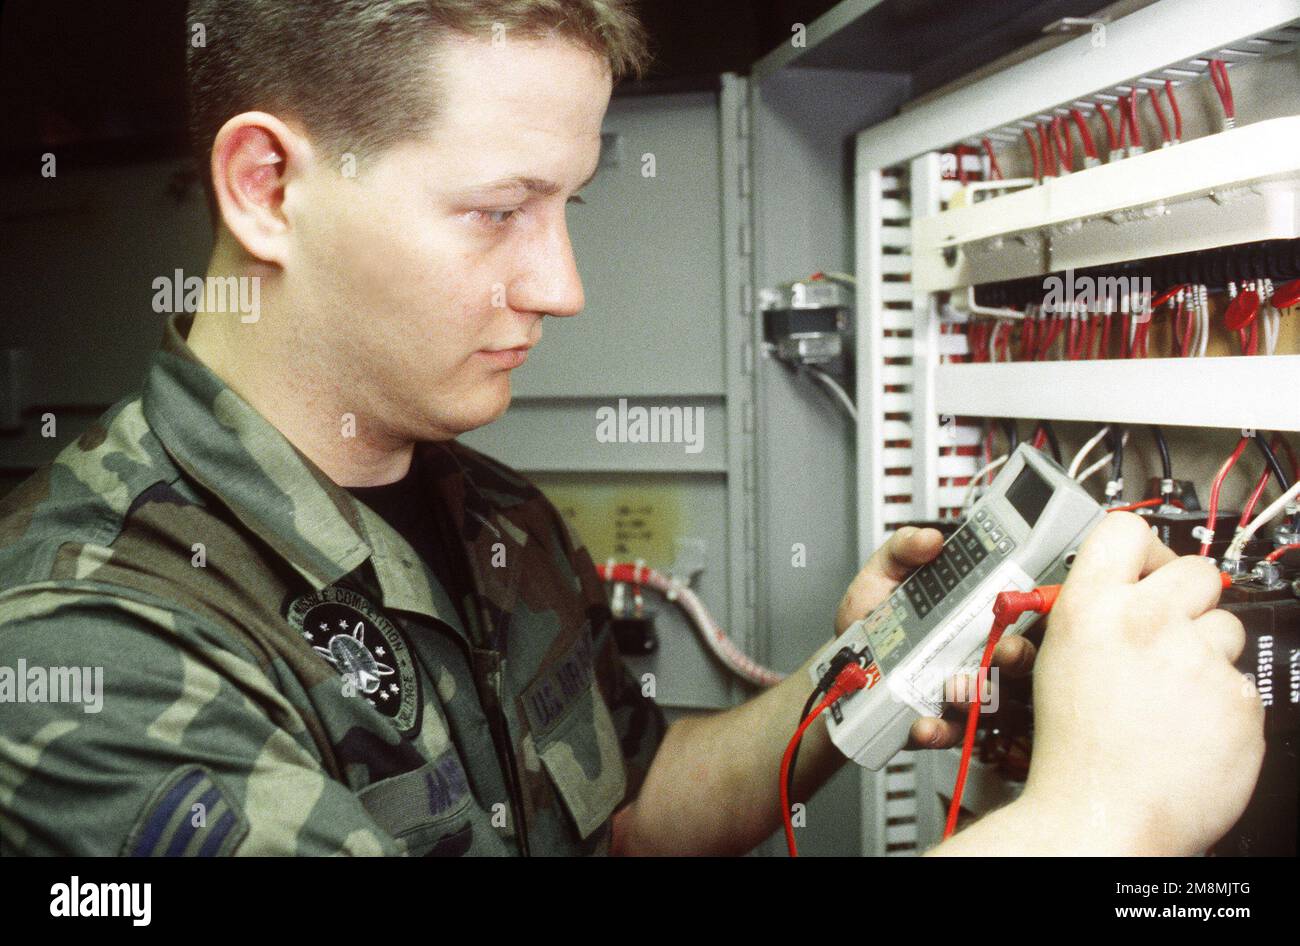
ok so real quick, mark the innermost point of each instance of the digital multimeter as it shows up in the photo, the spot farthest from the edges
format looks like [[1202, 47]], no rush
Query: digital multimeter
[[936, 623]]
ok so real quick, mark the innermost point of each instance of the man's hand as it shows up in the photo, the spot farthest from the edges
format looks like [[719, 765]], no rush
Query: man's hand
[[1146, 739], [906, 550]]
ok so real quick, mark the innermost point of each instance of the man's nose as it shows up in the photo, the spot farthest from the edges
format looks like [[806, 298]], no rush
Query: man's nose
[[552, 285]]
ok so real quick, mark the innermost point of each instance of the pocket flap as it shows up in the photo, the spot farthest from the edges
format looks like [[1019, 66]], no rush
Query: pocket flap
[[585, 764]]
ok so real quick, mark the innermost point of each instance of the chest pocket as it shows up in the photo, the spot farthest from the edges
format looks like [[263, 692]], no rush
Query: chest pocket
[[575, 736], [581, 755]]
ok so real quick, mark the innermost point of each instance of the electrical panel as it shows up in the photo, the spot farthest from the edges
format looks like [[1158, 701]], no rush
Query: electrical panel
[[1095, 247]]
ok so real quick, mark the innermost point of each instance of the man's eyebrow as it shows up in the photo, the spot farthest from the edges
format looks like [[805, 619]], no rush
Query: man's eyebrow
[[533, 185]]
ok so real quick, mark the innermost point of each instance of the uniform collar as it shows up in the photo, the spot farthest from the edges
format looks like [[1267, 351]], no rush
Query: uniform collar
[[281, 496]]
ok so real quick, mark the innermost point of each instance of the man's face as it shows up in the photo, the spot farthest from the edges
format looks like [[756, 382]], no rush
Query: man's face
[[438, 252]]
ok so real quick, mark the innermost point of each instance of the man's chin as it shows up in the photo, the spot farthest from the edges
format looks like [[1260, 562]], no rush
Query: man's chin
[[489, 403]]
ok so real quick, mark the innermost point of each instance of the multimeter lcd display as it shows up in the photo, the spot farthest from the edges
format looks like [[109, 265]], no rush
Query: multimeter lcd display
[[1029, 494]]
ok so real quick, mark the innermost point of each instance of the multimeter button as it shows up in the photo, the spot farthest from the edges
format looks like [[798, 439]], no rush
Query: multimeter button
[[947, 575], [980, 515], [986, 525], [916, 594], [997, 534], [961, 560], [1005, 546], [930, 583]]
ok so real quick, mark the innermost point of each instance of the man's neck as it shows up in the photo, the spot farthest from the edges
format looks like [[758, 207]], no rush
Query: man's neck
[[257, 361]]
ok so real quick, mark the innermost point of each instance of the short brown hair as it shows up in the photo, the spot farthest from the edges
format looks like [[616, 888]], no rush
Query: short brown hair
[[355, 72]]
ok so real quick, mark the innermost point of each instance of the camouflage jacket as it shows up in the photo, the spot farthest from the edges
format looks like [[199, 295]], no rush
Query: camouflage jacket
[[281, 673]]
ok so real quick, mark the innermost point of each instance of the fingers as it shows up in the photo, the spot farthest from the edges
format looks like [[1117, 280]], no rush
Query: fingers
[[1224, 631], [907, 549], [1121, 549], [1189, 586], [1158, 555], [931, 733], [1014, 656]]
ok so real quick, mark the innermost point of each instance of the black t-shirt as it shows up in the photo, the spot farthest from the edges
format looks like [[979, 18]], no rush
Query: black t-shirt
[[409, 506]]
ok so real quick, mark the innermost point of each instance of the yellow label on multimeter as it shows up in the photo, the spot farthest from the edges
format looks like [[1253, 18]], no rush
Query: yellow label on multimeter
[[885, 632]]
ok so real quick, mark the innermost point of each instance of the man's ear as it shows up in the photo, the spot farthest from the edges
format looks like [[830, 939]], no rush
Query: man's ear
[[254, 157]]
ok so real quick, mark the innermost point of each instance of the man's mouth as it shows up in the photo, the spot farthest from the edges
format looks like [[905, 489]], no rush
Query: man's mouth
[[507, 358]]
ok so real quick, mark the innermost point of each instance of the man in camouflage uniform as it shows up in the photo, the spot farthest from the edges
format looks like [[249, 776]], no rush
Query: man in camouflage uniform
[[285, 670], [186, 547]]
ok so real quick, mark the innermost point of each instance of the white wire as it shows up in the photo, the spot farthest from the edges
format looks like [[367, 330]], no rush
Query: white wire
[[975, 480], [1272, 329], [834, 388], [1087, 449], [715, 638], [1100, 464], [1203, 298], [1242, 538]]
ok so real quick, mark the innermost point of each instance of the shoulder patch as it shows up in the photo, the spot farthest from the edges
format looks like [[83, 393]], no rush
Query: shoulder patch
[[188, 815], [364, 646]]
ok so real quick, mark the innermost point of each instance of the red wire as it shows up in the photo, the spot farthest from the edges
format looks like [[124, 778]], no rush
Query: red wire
[[995, 172], [1008, 607], [1160, 113], [1112, 141], [1048, 148], [961, 164], [1145, 504], [1085, 136], [1134, 131], [1173, 105], [972, 723], [1027, 333], [1056, 324], [1254, 498], [1278, 552], [1033, 153], [1164, 297], [1123, 123], [852, 678], [1213, 513], [1219, 76], [1064, 143], [1140, 339], [1279, 441], [1004, 342], [786, 814]]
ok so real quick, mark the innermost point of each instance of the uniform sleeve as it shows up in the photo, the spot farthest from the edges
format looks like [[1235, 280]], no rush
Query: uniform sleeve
[[638, 720], [127, 729]]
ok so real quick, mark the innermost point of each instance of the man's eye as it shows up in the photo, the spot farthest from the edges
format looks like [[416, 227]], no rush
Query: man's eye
[[499, 217]]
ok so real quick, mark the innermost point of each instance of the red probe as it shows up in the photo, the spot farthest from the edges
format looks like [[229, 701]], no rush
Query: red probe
[[852, 678], [1008, 607]]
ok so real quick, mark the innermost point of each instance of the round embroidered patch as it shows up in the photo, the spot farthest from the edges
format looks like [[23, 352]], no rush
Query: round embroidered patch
[[365, 647]]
